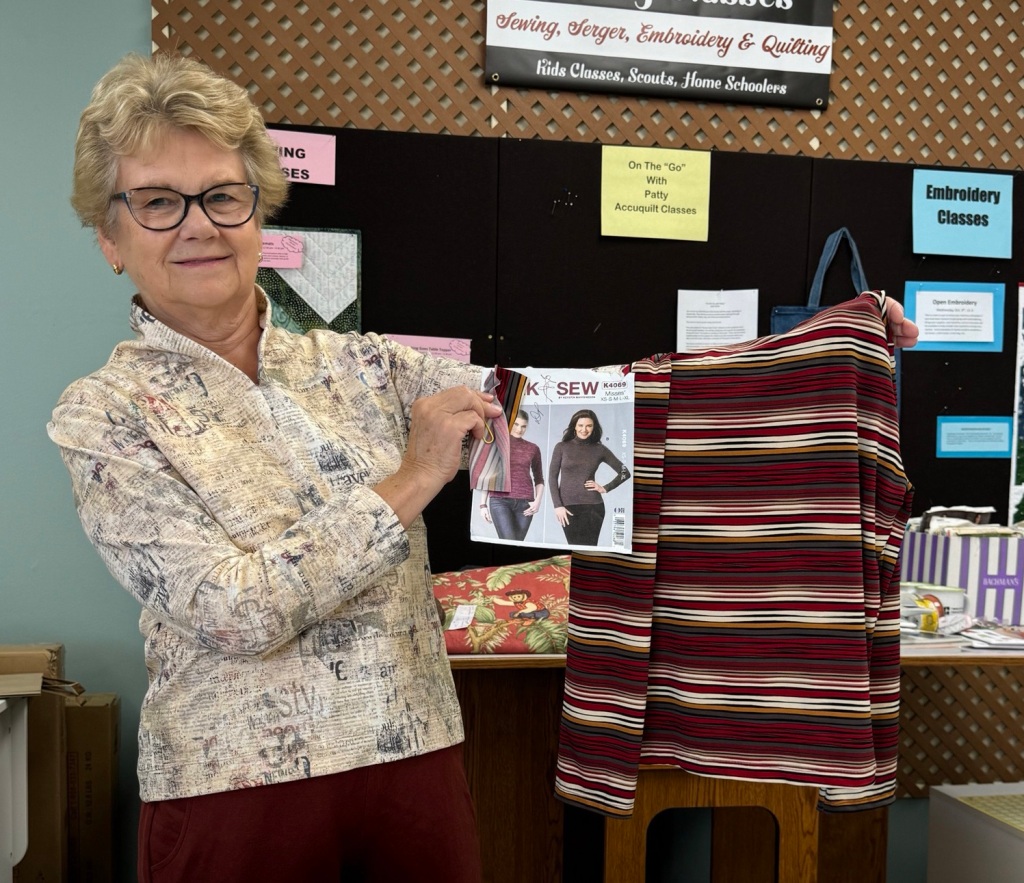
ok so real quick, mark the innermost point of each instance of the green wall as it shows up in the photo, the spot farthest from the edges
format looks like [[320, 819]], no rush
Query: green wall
[[63, 312]]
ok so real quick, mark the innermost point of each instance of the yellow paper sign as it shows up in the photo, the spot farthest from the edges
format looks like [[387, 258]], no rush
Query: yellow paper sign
[[655, 193]]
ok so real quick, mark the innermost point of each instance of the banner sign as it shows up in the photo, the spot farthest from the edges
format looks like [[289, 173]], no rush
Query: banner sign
[[743, 52]]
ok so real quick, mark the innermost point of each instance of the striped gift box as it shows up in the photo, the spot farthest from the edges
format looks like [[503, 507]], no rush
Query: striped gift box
[[989, 569]]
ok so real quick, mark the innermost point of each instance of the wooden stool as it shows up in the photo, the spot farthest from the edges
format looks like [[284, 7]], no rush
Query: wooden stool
[[663, 787]]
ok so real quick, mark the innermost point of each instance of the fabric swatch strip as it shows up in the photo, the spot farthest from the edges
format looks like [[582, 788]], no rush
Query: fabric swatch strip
[[509, 387], [754, 634], [490, 459]]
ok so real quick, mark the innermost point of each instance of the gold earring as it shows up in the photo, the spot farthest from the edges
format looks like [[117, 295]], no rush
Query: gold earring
[[259, 258], [118, 269]]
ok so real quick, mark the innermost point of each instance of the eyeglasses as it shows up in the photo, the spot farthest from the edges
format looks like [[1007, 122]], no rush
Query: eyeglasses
[[159, 208]]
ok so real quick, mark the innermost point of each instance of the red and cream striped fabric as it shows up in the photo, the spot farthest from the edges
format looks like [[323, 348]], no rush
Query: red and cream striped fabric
[[753, 633]]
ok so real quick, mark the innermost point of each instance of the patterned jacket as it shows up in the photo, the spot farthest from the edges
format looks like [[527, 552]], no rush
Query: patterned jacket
[[289, 622]]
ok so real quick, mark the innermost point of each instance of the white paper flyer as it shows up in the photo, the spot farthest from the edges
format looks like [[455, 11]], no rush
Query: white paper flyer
[[571, 464]]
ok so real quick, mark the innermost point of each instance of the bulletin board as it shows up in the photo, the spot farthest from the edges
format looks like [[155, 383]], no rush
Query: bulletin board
[[874, 201], [498, 240]]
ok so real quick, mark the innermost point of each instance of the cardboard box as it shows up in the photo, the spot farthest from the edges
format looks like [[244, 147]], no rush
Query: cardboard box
[[47, 659], [15, 692], [989, 569], [46, 860], [93, 745]]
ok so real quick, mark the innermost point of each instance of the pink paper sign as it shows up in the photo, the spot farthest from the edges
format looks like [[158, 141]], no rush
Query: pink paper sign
[[306, 158], [282, 251], [445, 347]]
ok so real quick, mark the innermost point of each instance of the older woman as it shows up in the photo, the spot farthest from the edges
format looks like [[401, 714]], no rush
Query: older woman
[[259, 493]]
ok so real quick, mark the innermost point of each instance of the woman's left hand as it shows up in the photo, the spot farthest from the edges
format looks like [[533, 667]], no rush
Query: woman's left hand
[[592, 485], [433, 452], [903, 331]]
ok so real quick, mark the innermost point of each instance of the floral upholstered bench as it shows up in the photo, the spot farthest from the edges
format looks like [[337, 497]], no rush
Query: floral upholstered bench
[[518, 609]]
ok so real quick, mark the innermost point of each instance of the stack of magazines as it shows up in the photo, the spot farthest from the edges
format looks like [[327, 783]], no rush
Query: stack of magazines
[[992, 636]]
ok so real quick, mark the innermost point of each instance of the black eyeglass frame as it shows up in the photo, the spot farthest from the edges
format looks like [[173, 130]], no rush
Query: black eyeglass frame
[[125, 197]]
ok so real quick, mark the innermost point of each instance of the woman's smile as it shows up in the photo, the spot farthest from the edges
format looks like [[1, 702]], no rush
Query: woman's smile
[[201, 262]]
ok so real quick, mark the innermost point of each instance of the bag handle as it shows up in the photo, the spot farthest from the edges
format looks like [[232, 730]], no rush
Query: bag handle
[[860, 283]]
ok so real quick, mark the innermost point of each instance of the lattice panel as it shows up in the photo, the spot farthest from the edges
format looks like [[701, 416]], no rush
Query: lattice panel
[[918, 81], [960, 724]]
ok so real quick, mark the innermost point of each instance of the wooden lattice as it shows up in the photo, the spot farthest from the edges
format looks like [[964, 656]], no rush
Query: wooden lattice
[[917, 81], [960, 724]]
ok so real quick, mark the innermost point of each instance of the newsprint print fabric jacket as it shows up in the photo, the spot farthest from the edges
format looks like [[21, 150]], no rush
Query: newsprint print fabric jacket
[[753, 633], [289, 622]]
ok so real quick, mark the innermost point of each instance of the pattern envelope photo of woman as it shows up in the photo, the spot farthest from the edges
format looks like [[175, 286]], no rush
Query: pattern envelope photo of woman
[[511, 513], [576, 493]]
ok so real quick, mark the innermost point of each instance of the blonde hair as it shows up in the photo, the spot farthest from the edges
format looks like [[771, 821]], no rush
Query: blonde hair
[[139, 100]]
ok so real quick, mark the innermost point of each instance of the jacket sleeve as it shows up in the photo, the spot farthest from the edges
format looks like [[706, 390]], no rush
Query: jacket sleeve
[[162, 542], [416, 375]]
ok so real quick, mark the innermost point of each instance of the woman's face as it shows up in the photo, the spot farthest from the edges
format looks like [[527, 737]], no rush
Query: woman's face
[[518, 429], [584, 427], [198, 272]]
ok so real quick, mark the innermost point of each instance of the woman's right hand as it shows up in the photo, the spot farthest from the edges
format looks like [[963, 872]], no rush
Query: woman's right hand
[[485, 513], [563, 515]]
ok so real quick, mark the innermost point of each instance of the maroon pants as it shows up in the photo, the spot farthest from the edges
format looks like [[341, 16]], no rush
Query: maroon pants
[[410, 819]]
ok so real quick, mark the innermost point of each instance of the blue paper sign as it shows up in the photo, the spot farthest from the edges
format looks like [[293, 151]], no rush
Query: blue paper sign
[[974, 436], [963, 213], [960, 316]]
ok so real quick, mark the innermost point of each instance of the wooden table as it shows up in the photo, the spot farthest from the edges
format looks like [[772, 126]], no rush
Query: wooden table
[[961, 721], [961, 718], [511, 706]]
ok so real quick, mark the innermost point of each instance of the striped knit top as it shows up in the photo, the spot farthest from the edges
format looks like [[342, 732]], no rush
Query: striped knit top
[[753, 632]]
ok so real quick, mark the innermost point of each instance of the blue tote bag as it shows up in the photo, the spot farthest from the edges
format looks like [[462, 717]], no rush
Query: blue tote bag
[[784, 318]]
